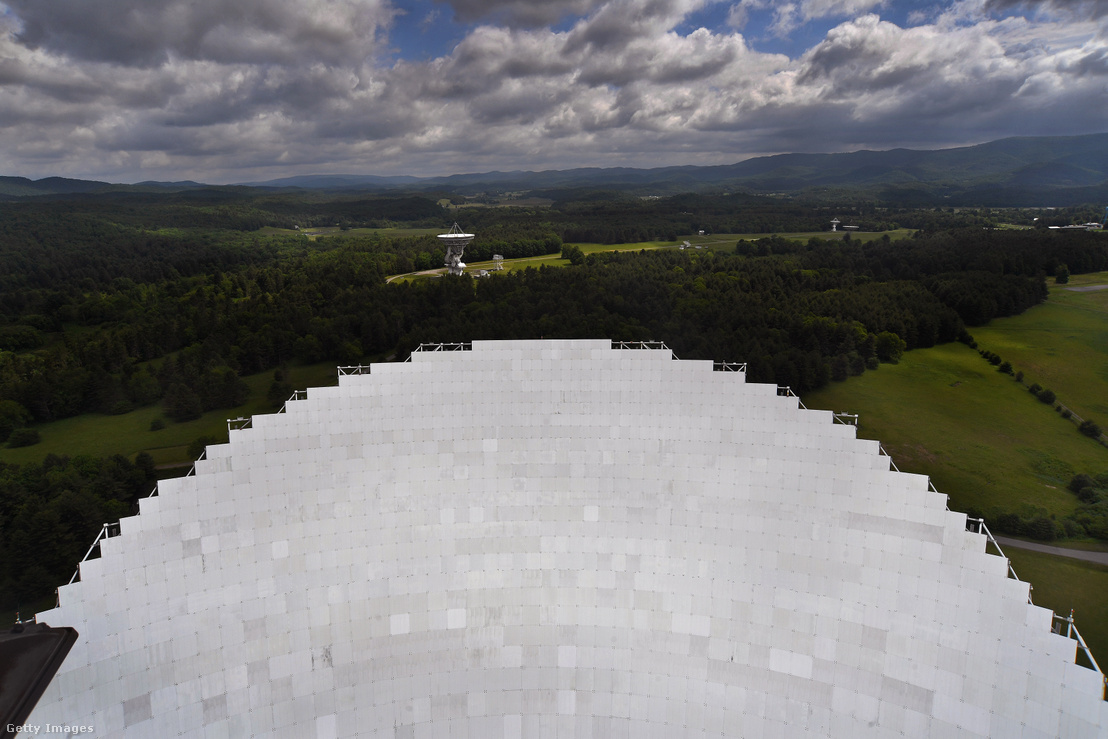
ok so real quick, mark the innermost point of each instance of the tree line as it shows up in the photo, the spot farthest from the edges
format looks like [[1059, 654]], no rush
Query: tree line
[[51, 512], [127, 343]]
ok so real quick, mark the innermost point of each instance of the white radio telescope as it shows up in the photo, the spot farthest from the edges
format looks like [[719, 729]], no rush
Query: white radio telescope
[[613, 544], [455, 242]]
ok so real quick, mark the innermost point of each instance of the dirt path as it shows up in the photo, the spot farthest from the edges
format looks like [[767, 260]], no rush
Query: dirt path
[[1096, 557]]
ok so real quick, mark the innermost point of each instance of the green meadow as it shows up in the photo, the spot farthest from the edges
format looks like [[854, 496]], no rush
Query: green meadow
[[984, 440], [1062, 345], [1062, 584], [129, 433]]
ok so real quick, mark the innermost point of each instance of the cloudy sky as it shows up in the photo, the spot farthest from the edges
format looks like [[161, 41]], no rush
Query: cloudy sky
[[242, 90]]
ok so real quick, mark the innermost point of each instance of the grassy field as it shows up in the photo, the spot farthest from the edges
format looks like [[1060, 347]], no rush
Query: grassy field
[[1061, 584], [1062, 345], [712, 242], [982, 437], [551, 260], [128, 434], [984, 440]]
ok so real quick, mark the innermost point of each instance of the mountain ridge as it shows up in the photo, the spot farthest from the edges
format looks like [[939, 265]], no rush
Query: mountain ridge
[[1026, 170], [1030, 164]]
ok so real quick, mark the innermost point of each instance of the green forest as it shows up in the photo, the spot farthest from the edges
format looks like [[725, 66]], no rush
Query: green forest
[[115, 302]]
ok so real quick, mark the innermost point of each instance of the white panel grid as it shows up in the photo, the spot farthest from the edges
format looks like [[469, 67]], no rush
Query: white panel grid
[[556, 539]]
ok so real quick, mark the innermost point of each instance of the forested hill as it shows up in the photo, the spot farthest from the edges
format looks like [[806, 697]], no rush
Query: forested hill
[[21, 186], [1027, 171], [1013, 172]]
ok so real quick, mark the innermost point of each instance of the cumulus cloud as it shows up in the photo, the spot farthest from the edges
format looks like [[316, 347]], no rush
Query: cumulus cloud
[[1068, 8], [163, 93], [982, 77], [828, 8], [789, 15]]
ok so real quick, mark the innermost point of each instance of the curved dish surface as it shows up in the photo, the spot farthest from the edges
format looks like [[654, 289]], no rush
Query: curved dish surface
[[556, 538]]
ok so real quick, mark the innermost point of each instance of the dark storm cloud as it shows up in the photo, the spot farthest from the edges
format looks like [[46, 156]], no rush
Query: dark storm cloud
[[521, 12], [150, 32], [494, 54], [1093, 63], [618, 23], [669, 60]]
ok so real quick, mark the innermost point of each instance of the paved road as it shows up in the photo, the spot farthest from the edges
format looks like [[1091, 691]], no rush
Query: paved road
[[1097, 557], [438, 271]]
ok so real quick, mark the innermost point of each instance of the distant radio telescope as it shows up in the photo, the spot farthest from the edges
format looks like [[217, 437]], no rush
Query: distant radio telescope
[[455, 242]]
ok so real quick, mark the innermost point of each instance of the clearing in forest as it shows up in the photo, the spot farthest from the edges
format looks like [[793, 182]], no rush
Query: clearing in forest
[[1062, 345], [981, 436]]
